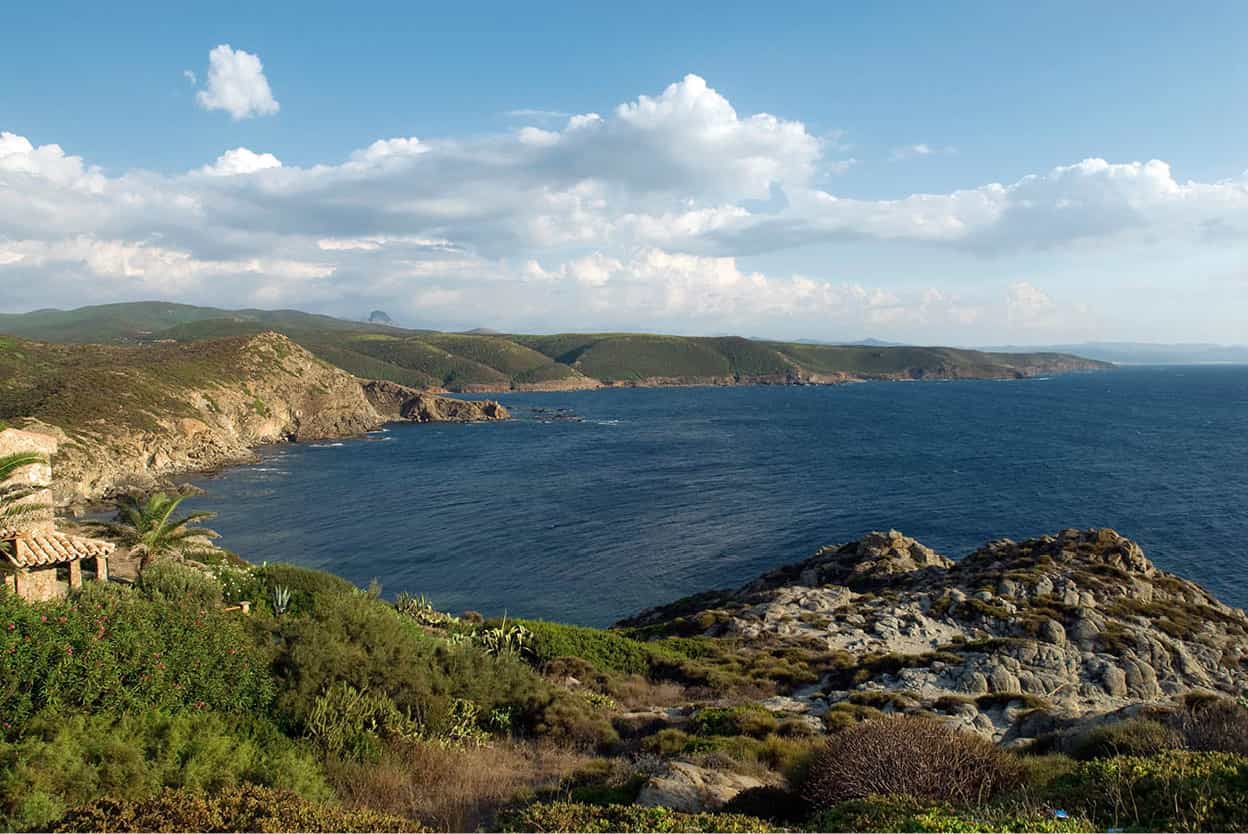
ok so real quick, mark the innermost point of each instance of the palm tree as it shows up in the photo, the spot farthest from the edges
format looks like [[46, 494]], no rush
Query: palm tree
[[148, 528], [13, 510]]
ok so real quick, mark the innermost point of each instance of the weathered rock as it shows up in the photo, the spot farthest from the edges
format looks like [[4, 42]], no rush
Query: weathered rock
[[1078, 624], [687, 787]]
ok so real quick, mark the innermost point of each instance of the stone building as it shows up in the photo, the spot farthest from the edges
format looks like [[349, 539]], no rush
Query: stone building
[[38, 562]]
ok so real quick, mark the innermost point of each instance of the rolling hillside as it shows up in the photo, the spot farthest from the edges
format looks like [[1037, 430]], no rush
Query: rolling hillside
[[499, 362]]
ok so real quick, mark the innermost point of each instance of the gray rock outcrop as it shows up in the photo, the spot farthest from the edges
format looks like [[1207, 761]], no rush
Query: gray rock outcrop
[[1010, 639]]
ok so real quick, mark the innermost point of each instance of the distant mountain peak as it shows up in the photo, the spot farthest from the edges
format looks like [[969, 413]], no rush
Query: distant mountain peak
[[380, 317]]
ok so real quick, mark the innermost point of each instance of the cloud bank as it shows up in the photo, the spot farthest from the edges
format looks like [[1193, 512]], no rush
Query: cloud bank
[[640, 216]]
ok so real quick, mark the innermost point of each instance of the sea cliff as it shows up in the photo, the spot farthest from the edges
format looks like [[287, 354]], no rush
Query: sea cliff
[[128, 417]]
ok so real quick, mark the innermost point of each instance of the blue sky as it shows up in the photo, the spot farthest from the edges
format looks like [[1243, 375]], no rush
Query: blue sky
[[808, 229]]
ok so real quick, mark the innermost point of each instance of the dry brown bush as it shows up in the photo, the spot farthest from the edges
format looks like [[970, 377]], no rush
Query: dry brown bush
[[451, 788], [1213, 723], [923, 758]]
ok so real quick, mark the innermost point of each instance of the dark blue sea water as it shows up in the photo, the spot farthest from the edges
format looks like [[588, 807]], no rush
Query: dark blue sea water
[[665, 492]]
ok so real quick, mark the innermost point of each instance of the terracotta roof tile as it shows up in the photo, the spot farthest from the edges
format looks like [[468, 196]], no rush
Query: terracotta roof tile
[[35, 549]]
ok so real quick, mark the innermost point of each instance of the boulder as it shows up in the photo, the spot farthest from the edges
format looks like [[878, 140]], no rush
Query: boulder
[[693, 789]]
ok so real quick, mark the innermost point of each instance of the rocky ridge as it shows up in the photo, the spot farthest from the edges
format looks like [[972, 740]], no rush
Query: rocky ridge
[[261, 389], [1013, 640]]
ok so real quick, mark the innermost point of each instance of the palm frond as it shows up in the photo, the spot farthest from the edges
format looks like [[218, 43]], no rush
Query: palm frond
[[9, 464]]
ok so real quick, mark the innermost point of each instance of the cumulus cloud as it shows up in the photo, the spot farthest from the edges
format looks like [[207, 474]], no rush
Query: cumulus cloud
[[241, 161], [646, 211], [236, 84]]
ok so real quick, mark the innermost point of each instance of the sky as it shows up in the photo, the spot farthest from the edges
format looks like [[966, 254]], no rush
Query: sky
[[957, 173]]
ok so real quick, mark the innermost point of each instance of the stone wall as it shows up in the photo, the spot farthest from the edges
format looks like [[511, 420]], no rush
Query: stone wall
[[39, 585]]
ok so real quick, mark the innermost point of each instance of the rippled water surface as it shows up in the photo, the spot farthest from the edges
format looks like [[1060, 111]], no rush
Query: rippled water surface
[[658, 493]]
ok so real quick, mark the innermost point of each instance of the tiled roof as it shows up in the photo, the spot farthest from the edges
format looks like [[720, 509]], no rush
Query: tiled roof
[[31, 549]]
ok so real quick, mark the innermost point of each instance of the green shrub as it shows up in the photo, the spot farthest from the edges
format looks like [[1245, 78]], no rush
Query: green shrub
[[345, 721], [1172, 791], [902, 814], [570, 816], [748, 720], [303, 583], [176, 584], [1132, 737], [668, 741], [360, 641], [249, 808], [605, 650], [921, 758], [240, 583], [109, 648], [66, 760]]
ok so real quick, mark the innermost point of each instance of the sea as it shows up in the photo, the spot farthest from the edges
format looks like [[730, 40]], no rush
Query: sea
[[592, 505]]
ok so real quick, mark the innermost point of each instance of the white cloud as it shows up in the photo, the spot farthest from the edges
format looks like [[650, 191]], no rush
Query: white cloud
[[666, 207], [236, 84], [241, 161], [190, 76]]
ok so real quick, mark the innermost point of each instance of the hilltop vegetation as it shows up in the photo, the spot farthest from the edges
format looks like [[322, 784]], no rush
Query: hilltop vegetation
[[494, 362]]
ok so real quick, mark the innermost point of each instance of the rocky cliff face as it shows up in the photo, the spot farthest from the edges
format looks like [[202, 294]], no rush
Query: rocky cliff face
[[1013, 640], [396, 401], [202, 409]]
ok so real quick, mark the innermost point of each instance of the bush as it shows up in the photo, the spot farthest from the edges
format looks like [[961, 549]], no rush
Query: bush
[[1213, 724], [304, 583], [902, 814], [170, 582], [921, 758], [570, 816], [250, 808], [109, 648], [1172, 791], [749, 720], [1132, 737], [357, 640], [64, 761], [770, 803], [347, 721], [605, 650]]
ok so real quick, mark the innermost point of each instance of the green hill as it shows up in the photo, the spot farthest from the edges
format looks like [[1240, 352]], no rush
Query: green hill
[[490, 361]]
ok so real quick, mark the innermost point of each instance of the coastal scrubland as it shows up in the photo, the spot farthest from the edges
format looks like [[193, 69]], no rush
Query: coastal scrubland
[[161, 706]]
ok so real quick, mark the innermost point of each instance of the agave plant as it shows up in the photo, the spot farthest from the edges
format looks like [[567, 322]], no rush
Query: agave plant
[[148, 528], [420, 609], [281, 599], [503, 639]]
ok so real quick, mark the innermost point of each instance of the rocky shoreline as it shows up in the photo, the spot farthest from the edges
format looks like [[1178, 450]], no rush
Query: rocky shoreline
[[273, 391]]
